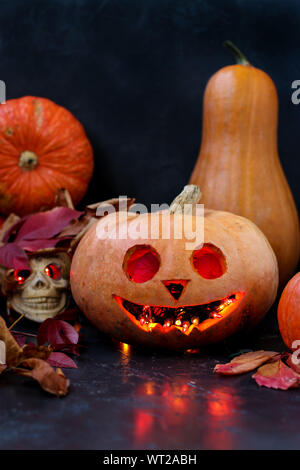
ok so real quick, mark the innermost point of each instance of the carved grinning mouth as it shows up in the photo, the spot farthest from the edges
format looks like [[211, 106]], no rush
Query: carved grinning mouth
[[184, 317]]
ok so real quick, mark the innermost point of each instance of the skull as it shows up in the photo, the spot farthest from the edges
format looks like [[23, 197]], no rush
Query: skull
[[42, 292]]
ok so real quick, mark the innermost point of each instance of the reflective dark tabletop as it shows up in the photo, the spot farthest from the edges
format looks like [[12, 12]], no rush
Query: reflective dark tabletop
[[123, 398]]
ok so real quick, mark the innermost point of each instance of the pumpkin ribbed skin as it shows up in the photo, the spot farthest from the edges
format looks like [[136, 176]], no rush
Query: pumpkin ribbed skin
[[43, 147], [97, 275], [238, 168], [289, 312]]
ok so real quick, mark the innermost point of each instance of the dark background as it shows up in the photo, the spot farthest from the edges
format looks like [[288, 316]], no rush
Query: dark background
[[133, 72]]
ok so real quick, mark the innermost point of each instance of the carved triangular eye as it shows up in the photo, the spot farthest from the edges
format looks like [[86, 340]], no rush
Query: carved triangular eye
[[175, 287]]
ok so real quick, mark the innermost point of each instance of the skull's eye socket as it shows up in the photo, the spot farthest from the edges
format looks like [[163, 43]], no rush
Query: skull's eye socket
[[21, 275], [141, 263], [209, 261], [53, 271]]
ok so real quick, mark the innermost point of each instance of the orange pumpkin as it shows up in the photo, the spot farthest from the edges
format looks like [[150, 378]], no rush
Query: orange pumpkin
[[238, 168], [289, 312], [158, 293], [43, 147]]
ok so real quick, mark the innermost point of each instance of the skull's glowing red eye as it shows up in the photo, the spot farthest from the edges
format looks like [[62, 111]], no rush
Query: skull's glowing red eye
[[21, 275], [53, 271], [209, 261], [141, 263]]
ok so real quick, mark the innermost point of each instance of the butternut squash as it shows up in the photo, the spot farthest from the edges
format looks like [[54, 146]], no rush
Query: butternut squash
[[238, 168]]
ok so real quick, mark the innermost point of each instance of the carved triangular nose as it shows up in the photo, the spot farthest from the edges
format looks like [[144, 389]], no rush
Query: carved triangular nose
[[175, 287]]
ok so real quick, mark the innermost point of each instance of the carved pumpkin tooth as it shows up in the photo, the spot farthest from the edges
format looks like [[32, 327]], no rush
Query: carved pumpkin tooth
[[216, 315], [168, 323]]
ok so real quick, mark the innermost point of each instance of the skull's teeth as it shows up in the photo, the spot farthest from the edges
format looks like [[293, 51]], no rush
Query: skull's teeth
[[46, 303]]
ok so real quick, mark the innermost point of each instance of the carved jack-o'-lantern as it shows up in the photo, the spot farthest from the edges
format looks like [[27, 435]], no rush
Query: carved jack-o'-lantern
[[155, 292], [42, 291]]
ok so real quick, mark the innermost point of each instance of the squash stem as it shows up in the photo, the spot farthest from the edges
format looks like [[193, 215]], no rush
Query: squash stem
[[239, 56]]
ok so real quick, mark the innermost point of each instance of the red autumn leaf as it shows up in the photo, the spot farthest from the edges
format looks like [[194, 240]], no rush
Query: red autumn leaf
[[245, 362], [58, 359], [50, 380], [46, 224], [276, 375], [13, 256], [57, 332], [34, 245]]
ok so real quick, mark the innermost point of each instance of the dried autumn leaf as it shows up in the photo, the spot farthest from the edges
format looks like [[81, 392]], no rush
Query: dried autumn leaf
[[50, 380], [276, 375], [13, 256], [38, 244], [59, 359], [31, 350], [11, 226], [9, 222], [57, 332], [245, 362], [76, 226], [63, 198], [93, 212], [45, 225], [99, 208], [13, 351]]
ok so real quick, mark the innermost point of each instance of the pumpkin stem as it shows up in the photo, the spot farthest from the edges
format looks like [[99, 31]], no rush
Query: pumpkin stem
[[28, 160], [191, 194], [239, 56]]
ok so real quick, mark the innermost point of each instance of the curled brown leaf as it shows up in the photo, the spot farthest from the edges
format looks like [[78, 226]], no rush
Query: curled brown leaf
[[51, 381], [246, 362], [31, 350]]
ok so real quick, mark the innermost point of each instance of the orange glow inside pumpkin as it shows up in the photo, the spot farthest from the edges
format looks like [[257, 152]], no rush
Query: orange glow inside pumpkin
[[185, 317], [209, 261], [141, 263], [176, 287]]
